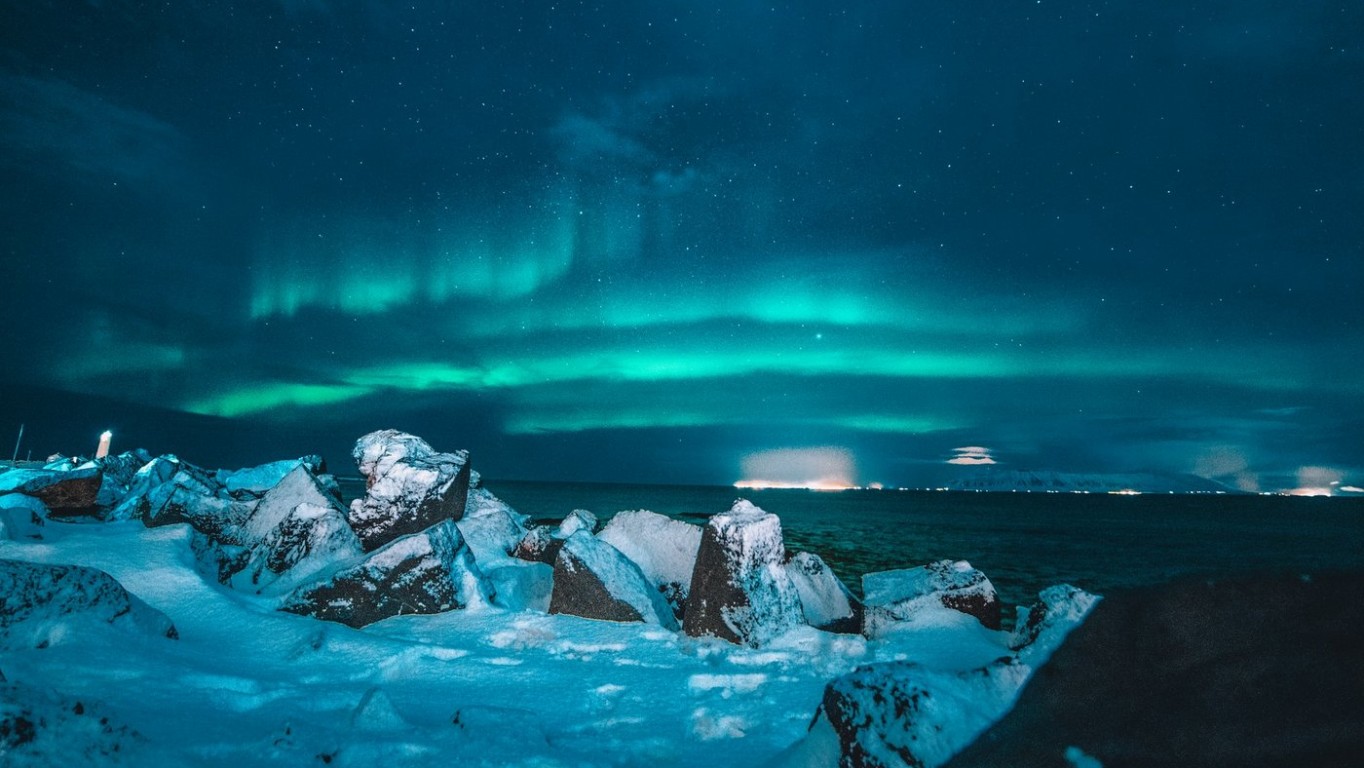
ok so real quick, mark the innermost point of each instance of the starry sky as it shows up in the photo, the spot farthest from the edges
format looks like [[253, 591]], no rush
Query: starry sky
[[687, 241]]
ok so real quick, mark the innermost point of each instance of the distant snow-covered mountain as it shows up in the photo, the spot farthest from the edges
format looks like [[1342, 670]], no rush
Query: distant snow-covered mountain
[[990, 478]]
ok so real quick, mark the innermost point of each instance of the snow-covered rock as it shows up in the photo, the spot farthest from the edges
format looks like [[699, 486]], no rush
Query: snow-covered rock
[[893, 597], [663, 548], [491, 533], [594, 580], [134, 503], [22, 517], [409, 486], [253, 482], [427, 572], [1041, 627], [577, 520], [190, 494], [40, 727], [538, 545], [118, 472], [309, 539], [825, 601], [64, 492], [740, 590], [901, 714], [41, 605]]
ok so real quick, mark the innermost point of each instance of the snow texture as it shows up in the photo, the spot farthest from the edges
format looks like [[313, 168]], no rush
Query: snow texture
[[825, 601], [22, 517], [41, 605], [594, 580], [663, 548], [740, 590], [409, 486], [898, 596]]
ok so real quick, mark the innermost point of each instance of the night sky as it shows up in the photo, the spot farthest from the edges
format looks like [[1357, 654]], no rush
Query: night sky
[[691, 242]]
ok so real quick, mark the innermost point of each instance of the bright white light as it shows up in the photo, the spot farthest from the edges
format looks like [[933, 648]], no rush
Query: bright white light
[[826, 468]]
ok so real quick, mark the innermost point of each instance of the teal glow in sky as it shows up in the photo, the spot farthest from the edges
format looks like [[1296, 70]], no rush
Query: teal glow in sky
[[650, 241]]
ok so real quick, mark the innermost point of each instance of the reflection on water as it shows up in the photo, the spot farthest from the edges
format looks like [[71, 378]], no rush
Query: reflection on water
[[1023, 542]]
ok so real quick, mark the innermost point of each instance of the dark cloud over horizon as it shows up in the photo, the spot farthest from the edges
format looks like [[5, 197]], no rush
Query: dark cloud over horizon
[[646, 241]]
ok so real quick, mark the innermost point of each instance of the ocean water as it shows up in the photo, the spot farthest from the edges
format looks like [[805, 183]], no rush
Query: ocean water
[[1022, 541]]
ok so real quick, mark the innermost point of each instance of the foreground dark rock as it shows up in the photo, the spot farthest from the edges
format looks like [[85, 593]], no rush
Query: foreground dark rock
[[740, 590], [1258, 672], [592, 579], [427, 572], [409, 486], [40, 604]]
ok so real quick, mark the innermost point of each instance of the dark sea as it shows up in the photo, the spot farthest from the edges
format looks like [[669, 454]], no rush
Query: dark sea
[[1022, 541]]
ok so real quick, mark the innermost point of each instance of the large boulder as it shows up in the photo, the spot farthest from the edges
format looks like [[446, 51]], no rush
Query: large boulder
[[900, 714], [118, 472], [825, 601], [594, 580], [739, 589], [894, 597], [427, 572], [409, 486], [310, 538], [1261, 671], [918, 714], [41, 605], [663, 548], [66, 493]]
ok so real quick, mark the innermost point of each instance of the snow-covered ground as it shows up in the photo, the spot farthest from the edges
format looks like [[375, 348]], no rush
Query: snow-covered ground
[[246, 684]]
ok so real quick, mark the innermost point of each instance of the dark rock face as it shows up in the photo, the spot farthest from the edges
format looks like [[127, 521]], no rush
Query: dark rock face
[[740, 590], [66, 493], [36, 599], [1263, 672], [426, 572], [663, 548], [410, 487], [539, 545], [592, 579]]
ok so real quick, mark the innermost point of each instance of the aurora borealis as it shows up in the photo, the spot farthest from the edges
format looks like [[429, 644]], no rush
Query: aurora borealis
[[655, 241]]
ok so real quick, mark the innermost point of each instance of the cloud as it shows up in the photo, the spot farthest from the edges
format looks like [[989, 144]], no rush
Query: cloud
[[972, 454]]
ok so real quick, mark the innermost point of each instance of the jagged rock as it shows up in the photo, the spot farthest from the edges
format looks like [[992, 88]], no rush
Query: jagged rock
[[427, 572], [539, 545], [118, 473], [594, 580], [179, 499], [218, 559], [825, 601], [1261, 671], [900, 714], [490, 527], [309, 539], [22, 517], [892, 597], [740, 590], [66, 493], [663, 548], [409, 486], [1041, 627], [254, 482], [135, 501], [41, 604]]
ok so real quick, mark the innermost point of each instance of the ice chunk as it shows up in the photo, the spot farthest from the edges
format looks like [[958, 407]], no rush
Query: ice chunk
[[824, 600]]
